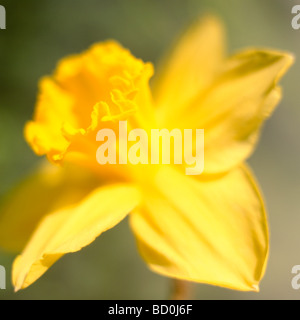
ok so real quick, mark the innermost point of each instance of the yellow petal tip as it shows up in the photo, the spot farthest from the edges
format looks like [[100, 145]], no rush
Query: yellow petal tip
[[255, 288], [16, 289]]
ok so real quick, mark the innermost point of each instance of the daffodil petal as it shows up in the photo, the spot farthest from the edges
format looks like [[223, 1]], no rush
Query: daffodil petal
[[71, 229], [235, 107], [48, 189], [190, 68], [212, 232]]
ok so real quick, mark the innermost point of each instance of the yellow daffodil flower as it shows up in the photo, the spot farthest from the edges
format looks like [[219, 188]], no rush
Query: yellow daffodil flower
[[210, 228]]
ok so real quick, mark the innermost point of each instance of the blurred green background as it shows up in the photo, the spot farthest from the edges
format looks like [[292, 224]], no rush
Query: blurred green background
[[39, 33]]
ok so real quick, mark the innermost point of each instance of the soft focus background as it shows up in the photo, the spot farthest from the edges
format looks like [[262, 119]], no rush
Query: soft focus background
[[39, 33]]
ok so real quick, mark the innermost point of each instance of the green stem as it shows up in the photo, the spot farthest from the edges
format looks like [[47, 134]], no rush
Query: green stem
[[181, 290]]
